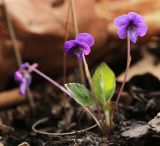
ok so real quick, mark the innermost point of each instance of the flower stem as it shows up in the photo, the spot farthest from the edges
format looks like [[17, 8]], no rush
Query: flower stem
[[16, 49], [51, 81], [74, 15], [33, 68], [125, 76], [76, 32], [30, 98], [65, 39], [107, 117], [12, 34], [100, 121], [127, 69], [88, 75]]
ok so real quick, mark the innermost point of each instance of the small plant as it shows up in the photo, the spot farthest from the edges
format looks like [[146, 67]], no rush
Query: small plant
[[130, 26], [102, 84], [95, 99]]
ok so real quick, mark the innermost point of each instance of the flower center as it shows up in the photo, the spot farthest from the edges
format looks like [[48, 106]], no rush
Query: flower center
[[131, 28], [26, 74], [77, 50], [131, 25]]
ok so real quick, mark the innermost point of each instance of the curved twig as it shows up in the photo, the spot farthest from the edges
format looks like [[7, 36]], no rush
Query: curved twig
[[57, 134]]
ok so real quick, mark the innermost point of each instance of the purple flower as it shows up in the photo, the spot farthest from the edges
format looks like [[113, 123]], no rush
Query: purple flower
[[79, 46], [131, 24], [23, 78]]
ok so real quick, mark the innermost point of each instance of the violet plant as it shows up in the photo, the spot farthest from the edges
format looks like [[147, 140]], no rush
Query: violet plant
[[102, 84], [96, 100], [130, 26], [103, 80], [23, 78]]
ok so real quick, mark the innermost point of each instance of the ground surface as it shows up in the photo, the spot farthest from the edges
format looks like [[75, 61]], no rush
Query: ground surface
[[140, 104]]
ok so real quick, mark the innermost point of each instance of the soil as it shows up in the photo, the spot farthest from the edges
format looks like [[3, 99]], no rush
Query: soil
[[139, 105]]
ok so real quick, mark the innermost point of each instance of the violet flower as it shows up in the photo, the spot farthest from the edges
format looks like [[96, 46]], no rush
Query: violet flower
[[131, 24], [79, 46], [23, 78]]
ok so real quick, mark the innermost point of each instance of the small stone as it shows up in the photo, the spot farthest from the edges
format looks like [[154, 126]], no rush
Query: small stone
[[158, 115], [79, 140], [88, 139], [24, 144], [155, 123], [136, 131], [1, 144]]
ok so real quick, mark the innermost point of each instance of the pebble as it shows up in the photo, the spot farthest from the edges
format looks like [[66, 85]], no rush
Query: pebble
[[24, 144], [1, 144]]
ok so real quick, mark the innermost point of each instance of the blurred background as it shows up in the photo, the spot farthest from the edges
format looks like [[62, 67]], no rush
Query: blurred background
[[39, 28]]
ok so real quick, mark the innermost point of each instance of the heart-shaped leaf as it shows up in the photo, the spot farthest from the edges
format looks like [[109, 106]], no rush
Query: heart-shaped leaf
[[80, 93], [104, 83]]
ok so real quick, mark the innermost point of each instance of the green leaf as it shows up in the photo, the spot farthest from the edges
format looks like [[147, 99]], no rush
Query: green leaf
[[104, 83], [81, 94]]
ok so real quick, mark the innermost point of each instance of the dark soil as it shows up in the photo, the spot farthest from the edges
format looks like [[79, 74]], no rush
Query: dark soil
[[140, 104]]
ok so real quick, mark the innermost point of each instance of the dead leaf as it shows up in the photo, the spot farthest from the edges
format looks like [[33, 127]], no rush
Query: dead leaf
[[146, 65], [136, 130]]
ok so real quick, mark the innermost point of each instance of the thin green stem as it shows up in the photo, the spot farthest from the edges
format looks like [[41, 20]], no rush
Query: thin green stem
[[107, 117]]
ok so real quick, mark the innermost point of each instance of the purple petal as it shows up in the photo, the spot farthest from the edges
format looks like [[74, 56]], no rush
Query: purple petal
[[74, 47], [18, 77], [70, 46], [85, 38], [132, 25], [121, 20], [85, 48], [87, 51], [135, 18], [122, 32], [23, 87], [23, 66], [141, 29], [132, 35]]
